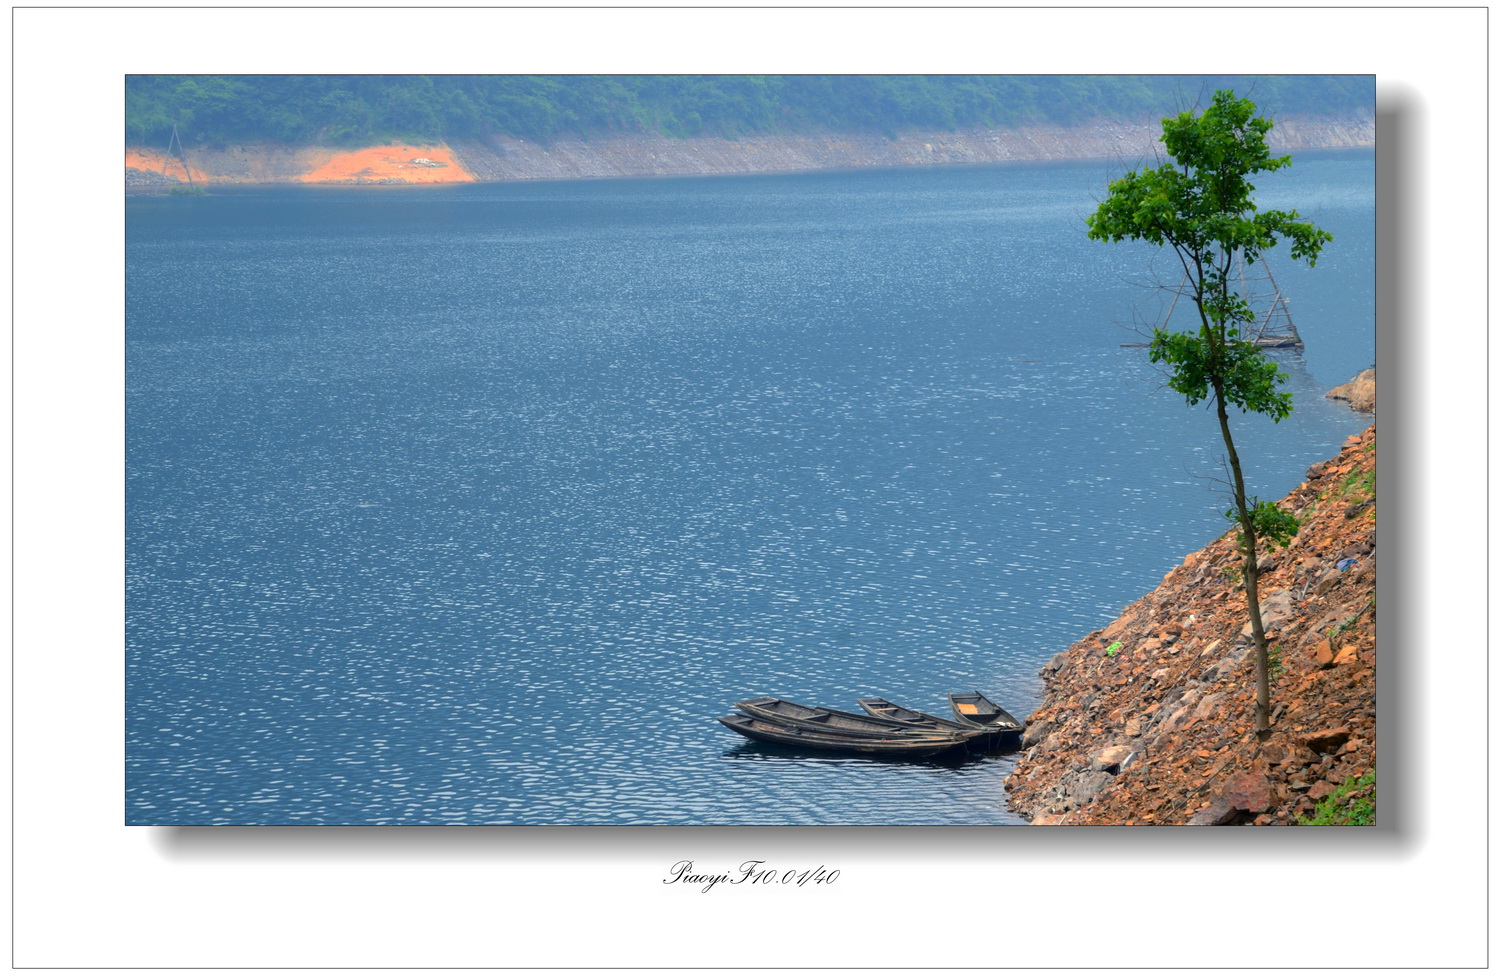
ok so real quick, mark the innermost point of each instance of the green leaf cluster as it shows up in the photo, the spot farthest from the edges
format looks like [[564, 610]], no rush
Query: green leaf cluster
[[1201, 205], [1273, 525], [1249, 380]]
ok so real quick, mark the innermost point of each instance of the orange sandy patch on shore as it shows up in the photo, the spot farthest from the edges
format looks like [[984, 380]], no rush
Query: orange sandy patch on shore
[[157, 162], [399, 164]]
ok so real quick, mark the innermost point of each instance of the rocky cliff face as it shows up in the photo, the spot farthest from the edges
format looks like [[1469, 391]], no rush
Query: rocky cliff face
[[504, 159], [1149, 721]]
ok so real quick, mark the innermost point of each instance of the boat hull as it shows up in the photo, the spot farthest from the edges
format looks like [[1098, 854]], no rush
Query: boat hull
[[881, 708], [830, 720], [909, 747], [983, 738]]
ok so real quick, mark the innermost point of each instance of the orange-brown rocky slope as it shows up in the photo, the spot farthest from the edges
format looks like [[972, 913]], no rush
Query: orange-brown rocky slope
[[1150, 720], [397, 163]]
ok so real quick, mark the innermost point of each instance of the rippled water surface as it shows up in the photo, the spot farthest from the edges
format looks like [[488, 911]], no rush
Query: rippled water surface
[[479, 504]]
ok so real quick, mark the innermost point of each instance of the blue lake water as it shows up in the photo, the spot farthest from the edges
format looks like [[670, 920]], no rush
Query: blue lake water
[[479, 504]]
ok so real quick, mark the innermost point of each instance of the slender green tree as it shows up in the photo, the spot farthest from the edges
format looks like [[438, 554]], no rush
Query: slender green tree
[[1200, 205]]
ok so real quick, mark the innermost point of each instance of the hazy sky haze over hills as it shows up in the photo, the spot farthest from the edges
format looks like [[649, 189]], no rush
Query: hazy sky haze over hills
[[355, 109]]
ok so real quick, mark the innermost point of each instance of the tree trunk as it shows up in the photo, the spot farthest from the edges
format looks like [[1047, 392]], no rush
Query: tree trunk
[[1252, 572]]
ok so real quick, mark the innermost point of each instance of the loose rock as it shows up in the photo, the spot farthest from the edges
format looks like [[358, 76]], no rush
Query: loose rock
[[1162, 732]]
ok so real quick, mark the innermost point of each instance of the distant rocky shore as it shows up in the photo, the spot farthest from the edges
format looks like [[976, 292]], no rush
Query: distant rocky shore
[[1359, 392], [503, 159], [512, 159]]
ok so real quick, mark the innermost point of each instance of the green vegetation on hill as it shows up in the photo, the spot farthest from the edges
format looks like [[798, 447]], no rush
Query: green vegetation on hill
[[1352, 804], [369, 109]]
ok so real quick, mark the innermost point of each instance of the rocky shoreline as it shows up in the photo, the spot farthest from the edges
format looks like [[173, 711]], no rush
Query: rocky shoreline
[[1150, 720], [1359, 392], [502, 159]]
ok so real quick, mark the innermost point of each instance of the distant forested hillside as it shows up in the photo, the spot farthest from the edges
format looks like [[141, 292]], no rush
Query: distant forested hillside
[[368, 109]]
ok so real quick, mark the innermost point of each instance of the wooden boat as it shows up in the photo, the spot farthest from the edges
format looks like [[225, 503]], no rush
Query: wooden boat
[[977, 711], [830, 720], [897, 747], [986, 739], [881, 708]]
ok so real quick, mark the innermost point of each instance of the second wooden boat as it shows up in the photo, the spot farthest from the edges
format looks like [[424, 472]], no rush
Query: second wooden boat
[[977, 711], [881, 708], [831, 720]]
